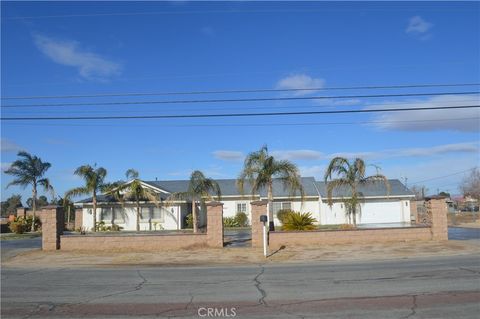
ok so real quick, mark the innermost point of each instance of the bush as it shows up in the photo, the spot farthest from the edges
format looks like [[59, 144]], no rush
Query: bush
[[241, 219], [282, 214], [19, 225], [16, 227], [230, 222], [189, 221], [299, 221], [102, 227], [346, 227]]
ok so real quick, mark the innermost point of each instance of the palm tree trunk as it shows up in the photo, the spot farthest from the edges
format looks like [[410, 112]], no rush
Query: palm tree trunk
[[138, 215], [34, 205], [68, 216], [94, 201], [194, 216], [271, 225], [354, 213]]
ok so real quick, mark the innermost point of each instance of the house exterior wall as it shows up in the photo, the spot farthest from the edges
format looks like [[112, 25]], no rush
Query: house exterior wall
[[171, 219], [373, 211]]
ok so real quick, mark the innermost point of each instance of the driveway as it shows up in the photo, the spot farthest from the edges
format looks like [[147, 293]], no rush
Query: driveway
[[237, 238], [459, 233], [12, 247]]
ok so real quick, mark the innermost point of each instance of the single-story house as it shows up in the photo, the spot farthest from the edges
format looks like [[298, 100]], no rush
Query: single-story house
[[377, 205]]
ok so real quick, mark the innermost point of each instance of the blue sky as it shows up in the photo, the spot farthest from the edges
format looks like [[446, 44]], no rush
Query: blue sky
[[55, 48]]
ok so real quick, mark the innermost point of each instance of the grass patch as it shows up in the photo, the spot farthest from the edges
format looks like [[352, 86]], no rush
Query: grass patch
[[329, 227]]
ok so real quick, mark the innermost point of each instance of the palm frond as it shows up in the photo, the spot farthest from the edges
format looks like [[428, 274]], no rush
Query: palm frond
[[337, 166], [78, 191], [333, 184]]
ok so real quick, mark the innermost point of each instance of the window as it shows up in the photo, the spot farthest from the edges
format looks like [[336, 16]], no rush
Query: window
[[157, 213], [281, 205], [106, 214], [241, 207], [406, 203], [146, 213], [151, 213]]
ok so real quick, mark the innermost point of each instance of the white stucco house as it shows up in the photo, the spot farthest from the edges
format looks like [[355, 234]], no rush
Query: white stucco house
[[377, 206]]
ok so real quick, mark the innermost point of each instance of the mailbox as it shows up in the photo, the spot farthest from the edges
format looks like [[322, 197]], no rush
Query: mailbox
[[263, 218]]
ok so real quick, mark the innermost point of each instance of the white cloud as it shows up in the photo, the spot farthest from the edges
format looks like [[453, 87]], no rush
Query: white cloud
[[417, 25], [4, 166], [300, 81], [467, 147], [229, 155], [7, 146], [293, 155], [466, 120], [315, 170], [90, 65]]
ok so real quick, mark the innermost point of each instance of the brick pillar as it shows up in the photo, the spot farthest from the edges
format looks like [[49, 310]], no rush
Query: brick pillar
[[215, 224], [438, 209], [21, 212], [258, 208], [52, 227], [413, 210], [78, 218]]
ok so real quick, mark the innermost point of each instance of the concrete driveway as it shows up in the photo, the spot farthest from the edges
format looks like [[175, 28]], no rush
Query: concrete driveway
[[12, 247], [459, 233]]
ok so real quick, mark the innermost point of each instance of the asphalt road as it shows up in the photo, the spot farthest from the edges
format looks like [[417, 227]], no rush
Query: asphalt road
[[426, 288]]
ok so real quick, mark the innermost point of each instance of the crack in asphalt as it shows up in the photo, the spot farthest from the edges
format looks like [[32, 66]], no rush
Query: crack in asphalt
[[261, 300], [413, 309], [469, 270]]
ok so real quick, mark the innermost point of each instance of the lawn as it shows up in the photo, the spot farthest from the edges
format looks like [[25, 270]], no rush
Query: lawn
[[12, 236]]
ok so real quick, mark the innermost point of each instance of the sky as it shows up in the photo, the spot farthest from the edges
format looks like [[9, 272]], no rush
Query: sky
[[90, 48]]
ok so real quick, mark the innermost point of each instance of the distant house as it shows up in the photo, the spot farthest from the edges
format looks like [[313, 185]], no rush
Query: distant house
[[376, 206]]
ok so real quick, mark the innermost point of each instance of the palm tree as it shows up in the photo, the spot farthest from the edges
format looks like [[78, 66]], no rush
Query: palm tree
[[199, 189], [94, 182], [134, 190], [351, 175], [29, 170], [259, 171]]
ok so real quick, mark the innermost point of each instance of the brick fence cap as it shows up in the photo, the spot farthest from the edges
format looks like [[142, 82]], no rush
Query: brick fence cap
[[259, 202], [435, 197], [214, 203], [51, 207]]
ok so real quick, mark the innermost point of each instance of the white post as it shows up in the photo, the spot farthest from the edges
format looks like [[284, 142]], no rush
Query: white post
[[264, 240]]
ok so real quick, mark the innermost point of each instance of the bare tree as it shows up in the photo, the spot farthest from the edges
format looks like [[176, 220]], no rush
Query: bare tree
[[419, 191], [470, 185]]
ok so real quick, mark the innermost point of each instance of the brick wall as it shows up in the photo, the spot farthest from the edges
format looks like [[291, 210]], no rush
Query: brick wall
[[363, 236], [258, 208], [147, 242], [215, 224], [24, 212], [78, 218], [438, 210], [52, 227]]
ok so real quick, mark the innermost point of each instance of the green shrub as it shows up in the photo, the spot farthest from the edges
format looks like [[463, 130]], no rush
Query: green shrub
[[241, 219], [282, 214], [17, 227], [230, 222], [189, 221], [299, 221]]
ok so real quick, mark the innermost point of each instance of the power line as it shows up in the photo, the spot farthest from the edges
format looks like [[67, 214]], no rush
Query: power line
[[238, 91], [257, 124], [195, 109], [233, 114], [242, 100], [440, 177]]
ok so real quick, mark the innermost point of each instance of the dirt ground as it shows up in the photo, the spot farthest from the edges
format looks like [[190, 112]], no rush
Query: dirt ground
[[238, 256]]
